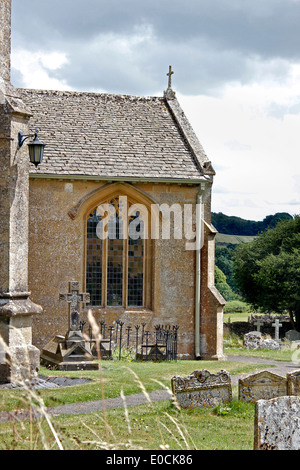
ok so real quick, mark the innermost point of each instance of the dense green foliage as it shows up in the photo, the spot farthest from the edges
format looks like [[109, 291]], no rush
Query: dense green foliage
[[224, 253], [224, 261], [237, 226], [222, 285], [267, 270]]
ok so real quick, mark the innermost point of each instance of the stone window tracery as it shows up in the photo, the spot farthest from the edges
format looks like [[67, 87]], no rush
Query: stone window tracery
[[115, 254]]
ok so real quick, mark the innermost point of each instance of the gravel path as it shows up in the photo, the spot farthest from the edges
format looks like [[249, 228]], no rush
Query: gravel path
[[277, 367]]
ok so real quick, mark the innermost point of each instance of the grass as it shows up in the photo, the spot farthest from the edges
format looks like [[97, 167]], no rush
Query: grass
[[236, 317], [280, 355], [148, 427], [154, 426], [225, 239], [117, 376], [159, 425]]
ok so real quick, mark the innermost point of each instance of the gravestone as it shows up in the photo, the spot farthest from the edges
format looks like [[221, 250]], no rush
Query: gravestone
[[277, 424], [293, 383], [252, 340], [262, 386], [293, 335], [277, 325], [71, 351], [202, 389], [259, 322], [270, 344]]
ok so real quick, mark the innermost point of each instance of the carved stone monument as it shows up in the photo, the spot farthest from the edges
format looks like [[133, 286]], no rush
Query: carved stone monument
[[252, 340], [277, 424], [71, 351], [263, 385], [293, 383], [202, 389]]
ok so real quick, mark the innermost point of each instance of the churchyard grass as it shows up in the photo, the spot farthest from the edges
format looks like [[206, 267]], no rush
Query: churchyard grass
[[151, 426], [285, 354], [147, 427], [117, 376]]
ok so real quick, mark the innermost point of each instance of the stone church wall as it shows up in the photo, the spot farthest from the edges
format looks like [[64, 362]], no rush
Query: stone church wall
[[56, 256]]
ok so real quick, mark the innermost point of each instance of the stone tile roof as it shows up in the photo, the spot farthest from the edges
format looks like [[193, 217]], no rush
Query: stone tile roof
[[108, 135]]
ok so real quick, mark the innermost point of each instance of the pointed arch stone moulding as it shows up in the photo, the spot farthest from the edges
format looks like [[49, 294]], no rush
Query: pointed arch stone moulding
[[106, 191]]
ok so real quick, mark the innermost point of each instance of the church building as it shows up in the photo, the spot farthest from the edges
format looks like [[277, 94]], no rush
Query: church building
[[121, 204]]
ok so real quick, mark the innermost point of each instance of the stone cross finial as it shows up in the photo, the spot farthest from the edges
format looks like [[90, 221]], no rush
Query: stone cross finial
[[277, 325], [170, 76], [169, 93], [74, 299], [259, 323]]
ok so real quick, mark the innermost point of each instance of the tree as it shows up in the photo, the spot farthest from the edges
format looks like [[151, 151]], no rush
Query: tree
[[222, 285], [223, 260], [267, 270], [237, 226]]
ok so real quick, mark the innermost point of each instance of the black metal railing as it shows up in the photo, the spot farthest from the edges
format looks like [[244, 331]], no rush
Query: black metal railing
[[120, 340]]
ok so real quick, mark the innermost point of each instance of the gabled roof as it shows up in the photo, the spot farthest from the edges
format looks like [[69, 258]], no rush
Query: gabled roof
[[114, 136]]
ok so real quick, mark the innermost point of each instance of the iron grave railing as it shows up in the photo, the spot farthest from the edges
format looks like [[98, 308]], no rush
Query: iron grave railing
[[120, 340]]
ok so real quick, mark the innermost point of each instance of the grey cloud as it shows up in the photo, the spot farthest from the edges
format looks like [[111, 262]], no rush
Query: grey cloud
[[208, 42], [266, 27]]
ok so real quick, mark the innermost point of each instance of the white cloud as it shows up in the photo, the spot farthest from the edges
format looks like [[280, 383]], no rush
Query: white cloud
[[35, 68], [257, 155]]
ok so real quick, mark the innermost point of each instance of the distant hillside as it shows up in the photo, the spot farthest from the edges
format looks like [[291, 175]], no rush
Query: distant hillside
[[226, 239], [232, 225]]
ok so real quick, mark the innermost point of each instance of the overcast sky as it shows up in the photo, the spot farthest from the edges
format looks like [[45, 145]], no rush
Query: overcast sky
[[237, 77]]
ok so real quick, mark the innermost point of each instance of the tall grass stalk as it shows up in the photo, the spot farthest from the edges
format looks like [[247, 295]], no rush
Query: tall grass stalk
[[36, 403]]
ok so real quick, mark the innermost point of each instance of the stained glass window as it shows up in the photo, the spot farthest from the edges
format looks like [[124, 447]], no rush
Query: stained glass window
[[115, 266], [94, 261], [135, 263]]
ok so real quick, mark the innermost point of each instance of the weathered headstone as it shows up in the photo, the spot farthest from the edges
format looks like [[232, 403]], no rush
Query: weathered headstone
[[262, 386], [277, 424], [252, 340], [293, 383], [202, 389], [270, 344], [293, 335], [277, 325]]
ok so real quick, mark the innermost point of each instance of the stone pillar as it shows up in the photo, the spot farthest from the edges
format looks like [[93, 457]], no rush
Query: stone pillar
[[5, 41], [212, 302], [20, 360]]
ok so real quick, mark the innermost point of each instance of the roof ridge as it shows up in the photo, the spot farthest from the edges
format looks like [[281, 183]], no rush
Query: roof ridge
[[87, 93]]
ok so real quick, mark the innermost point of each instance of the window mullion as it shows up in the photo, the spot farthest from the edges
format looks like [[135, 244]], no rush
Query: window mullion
[[104, 270], [125, 272]]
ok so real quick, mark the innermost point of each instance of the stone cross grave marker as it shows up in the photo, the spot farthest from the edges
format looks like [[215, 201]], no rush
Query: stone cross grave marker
[[277, 325], [74, 299], [259, 323]]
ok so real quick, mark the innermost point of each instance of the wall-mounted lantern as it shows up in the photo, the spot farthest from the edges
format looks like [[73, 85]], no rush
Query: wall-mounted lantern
[[36, 148]]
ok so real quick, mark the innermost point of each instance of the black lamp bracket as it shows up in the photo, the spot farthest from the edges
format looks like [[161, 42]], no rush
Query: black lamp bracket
[[22, 137]]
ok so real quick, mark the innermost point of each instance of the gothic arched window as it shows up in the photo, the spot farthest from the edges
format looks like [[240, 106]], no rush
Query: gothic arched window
[[116, 254]]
